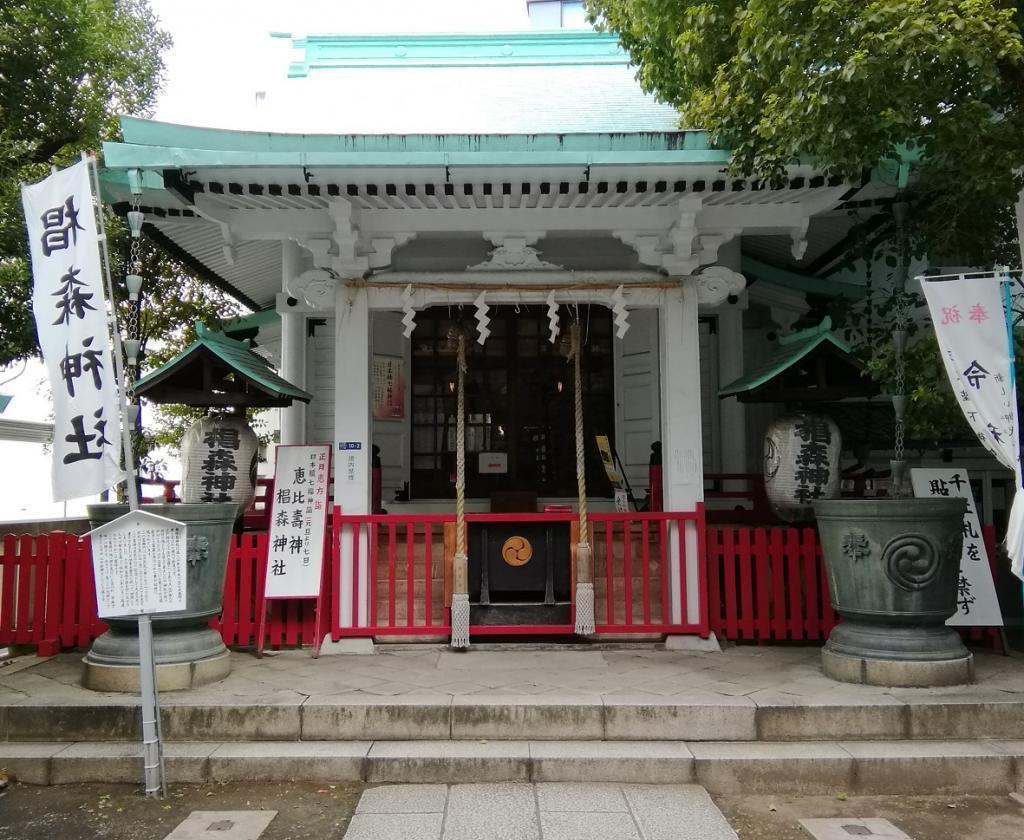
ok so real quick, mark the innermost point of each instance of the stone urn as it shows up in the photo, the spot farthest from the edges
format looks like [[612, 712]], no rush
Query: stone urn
[[187, 651], [893, 568]]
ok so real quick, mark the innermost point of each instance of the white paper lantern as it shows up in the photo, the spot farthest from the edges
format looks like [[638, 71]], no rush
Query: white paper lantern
[[218, 457], [801, 463]]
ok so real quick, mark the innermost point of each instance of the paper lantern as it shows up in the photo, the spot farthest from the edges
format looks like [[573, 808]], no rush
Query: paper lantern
[[801, 463], [219, 457]]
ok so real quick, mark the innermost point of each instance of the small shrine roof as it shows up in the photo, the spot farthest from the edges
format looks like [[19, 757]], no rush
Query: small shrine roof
[[218, 371], [832, 373]]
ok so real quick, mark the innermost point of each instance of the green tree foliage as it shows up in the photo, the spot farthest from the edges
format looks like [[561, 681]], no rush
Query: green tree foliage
[[67, 69], [848, 84]]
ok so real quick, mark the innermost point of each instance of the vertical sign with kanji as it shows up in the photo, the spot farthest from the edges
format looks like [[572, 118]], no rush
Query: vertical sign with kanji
[[971, 328], [298, 520], [71, 320], [388, 384], [977, 604]]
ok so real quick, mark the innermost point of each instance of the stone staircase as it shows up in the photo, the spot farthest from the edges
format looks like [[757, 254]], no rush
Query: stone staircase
[[907, 745]]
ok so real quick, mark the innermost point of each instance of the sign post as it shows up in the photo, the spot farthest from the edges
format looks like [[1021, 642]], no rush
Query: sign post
[[298, 522], [139, 565]]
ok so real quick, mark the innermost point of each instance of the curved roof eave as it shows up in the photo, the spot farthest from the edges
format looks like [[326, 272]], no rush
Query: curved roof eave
[[148, 144]]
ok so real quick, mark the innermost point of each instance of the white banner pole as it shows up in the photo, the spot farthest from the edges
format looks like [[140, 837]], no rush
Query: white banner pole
[[152, 741]]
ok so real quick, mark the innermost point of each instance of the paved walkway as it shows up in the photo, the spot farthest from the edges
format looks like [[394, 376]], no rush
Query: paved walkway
[[758, 675], [538, 812]]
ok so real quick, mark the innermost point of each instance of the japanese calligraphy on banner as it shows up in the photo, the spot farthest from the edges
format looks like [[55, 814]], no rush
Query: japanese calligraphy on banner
[[298, 520], [976, 344], [388, 387], [977, 604], [139, 565], [71, 319]]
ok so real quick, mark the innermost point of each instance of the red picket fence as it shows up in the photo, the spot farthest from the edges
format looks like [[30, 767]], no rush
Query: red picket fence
[[47, 595], [767, 584], [756, 584], [400, 562]]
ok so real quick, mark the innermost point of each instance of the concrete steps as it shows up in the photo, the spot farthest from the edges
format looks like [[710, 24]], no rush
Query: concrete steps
[[441, 717], [992, 766]]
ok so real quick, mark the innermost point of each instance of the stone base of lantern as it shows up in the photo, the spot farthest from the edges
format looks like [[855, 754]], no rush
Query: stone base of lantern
[[176, 676]]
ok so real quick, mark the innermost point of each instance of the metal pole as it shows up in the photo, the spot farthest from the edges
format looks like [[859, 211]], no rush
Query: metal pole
[[152, 754], [152, 746]]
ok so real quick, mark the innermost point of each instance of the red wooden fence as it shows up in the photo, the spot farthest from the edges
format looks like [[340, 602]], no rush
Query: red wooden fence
[[402, 559], [758, 584], [767, 584]]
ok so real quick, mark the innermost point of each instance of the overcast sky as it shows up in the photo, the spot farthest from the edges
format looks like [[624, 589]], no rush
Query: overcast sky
[[223, 52]]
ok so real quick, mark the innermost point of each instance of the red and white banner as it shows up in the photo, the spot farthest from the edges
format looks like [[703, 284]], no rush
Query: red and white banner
[[970, 323], [71, 319]]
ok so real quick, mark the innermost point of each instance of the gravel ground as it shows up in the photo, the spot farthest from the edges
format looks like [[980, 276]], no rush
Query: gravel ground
[[322, 812], [121, 812], [922, 817]]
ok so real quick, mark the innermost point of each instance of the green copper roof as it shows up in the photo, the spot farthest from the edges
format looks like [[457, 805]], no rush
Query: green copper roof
[[153, 145], [5, 400], [516, 49], [791, 349], [218, 371]]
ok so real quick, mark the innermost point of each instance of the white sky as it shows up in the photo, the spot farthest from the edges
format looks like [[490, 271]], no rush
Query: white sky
[[223, 54]]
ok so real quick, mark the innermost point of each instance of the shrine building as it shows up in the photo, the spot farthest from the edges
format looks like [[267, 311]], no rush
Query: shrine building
[[516, 195]]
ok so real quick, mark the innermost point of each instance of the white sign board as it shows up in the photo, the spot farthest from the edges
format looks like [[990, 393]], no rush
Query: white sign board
[[71, 320], [298, 519], [493, 463], [139, 565], [977, 604]]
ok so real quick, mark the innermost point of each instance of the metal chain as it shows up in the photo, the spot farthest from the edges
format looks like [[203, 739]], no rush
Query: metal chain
[[900, 383], [134, 266]]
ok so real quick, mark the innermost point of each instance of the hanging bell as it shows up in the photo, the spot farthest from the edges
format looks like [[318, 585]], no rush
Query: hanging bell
[[134, 284], [133, 414], [131, 351]]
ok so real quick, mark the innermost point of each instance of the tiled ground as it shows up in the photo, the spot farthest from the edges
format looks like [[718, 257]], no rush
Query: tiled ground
[[765, 675], [538, 812]]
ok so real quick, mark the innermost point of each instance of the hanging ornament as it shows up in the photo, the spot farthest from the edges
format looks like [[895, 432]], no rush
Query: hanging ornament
[[481, 318], [620, 313], [552, 317], [408, 313]]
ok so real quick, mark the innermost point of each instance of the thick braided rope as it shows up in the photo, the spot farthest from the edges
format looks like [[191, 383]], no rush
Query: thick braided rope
[[460, 454], [581, 474]]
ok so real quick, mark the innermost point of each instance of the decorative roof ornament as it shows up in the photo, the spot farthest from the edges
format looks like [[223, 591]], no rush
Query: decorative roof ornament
[[316, 287], [716, 283], [514, 253]]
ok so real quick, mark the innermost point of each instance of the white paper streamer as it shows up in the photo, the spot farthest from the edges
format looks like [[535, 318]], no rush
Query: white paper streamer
[[620, 313], [552, 317], [409, 313], [481, 318]]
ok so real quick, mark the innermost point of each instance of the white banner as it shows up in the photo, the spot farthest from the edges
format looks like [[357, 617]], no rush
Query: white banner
[[71, 319], [971, 327], [298, 521], [976, 601]]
